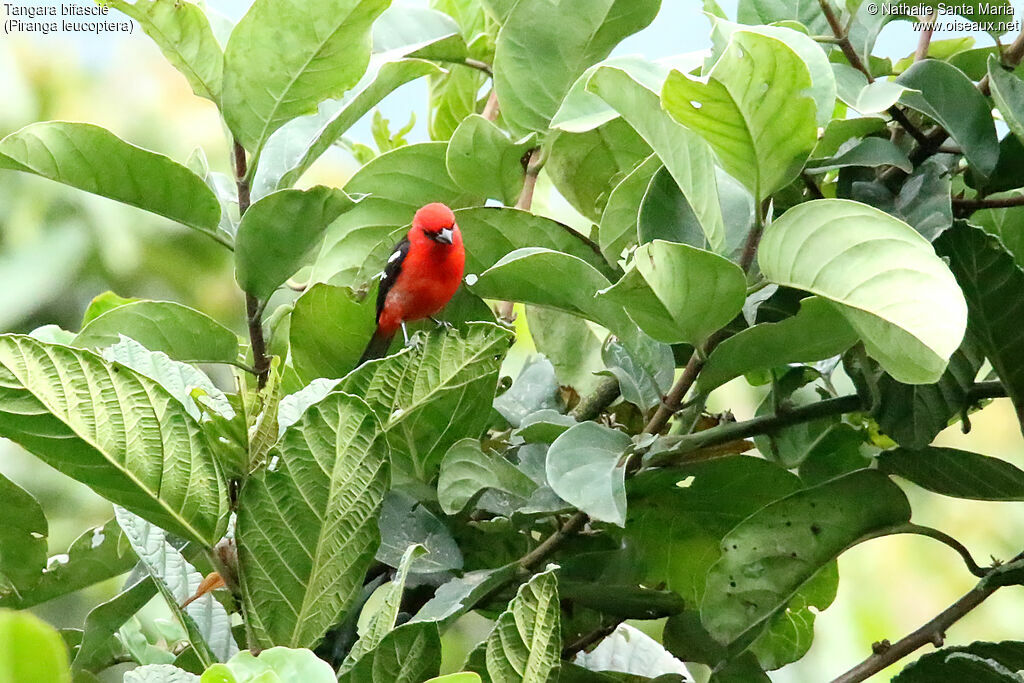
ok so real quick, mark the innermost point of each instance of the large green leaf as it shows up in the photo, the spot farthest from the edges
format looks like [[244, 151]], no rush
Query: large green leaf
[[816, 332], [552, 42], [104, 620], [95, 160], [525, 645], [22, 537], [296, 146], [329, 330], [538, 276], [276, 665], [485, 161], [204, 619], [458, 596], [956, 473], [978, 662], [1008, 94], [429, 397], [571, 345], [676, 523], [407, 654], [181, 332], [992, 281], [490, 233], [944, 93], [31, 651], [399, 183], [183, 34], [913, 415], [678, 293], [467, 471], [618, 226], [115, 430], [752, 111], [688, 158], [323, 54], [769, 556], [891, 287], [97, 555], [585, 467], [279, 233], [302, 565]]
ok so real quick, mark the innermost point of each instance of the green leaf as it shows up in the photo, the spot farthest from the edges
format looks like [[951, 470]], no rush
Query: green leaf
[[453, 97], [770, 11], [913, 415], [1008, 95], [571, 345], [461, 677], [678, 516], [890, 286], [429, 397], [407, 654], [324, 53], [420, 32], [643, 369], [329, 330], [630, 650], [93, 159], [22, 536], [584, 467], [183, 34], [751, 111], [405, 521], [483, 160], [666, 215], [991, 282], [490, 233], [383, 621], [1006, 225], [276, 665], [688, 158], [182, 333], [536, 388], [923, 201], [95, 556], [159, 673], [946, 95], [101, 303], [525, 645], [295, 147], [956, 473], [106, 618], [869, 152], [618, 227], [772, 554], [537, 276], [553, 42], [458, 596], [99, 423], [399, 183], [298, 573], [467, 471], [979, 661], [32, 651], [678, 293], [204, 619], [584, 167], [278, 234], [816, 332]]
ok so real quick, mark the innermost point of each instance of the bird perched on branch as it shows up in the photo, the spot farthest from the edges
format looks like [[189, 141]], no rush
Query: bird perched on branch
[[420, 278]]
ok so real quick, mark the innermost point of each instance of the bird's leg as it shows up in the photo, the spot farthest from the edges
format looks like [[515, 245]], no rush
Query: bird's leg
[[442, 323], [405, 334]]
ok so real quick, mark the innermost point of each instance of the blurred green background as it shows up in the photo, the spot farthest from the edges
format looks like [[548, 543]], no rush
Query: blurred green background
[[59, 248]]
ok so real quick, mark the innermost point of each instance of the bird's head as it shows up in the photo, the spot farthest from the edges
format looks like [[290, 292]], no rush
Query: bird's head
[[436, 222]]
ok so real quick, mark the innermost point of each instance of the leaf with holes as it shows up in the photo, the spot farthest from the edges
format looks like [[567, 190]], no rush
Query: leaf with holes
[[886, 279], [752, 111], [299, 572], [772, 554], [99, 422], [22, 537]]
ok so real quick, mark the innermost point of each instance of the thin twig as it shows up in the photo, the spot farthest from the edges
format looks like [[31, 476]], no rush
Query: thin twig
[[491, 108], [963, 204], [934, 632], [534, 163], [589, 407], [478, 65], [253, 307], [843, 40], [588, 639], [925, 39]]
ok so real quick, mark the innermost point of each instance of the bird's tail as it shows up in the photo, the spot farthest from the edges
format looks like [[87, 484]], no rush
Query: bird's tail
[[378, 347]]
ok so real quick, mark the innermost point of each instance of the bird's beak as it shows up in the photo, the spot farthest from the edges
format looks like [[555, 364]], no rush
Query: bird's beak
[[444, 237]]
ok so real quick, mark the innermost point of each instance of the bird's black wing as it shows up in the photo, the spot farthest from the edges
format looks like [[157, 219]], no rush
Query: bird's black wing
[[391, 271]]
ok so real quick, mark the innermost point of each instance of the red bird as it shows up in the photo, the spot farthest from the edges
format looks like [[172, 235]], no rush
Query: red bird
[[421, 276]]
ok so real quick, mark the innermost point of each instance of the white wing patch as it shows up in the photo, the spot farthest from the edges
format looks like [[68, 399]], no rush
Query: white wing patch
[[395, 256]]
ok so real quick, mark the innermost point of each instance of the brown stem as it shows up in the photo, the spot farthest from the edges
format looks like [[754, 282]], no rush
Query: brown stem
[[588, 639], [253, 306], [534, 163], [934, 632], [491, 108], [675, 396], [591, 406], [843, 40], [967, 205], [925, 39], [551, 543]]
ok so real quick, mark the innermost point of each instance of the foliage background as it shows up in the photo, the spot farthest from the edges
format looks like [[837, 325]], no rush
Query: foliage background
[[60, 247]]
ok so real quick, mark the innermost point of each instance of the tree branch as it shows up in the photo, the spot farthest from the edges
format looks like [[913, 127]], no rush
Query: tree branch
[[933, 632], [534, 163], [970, 205], [591, 406], [924, 41], [253, 307]]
